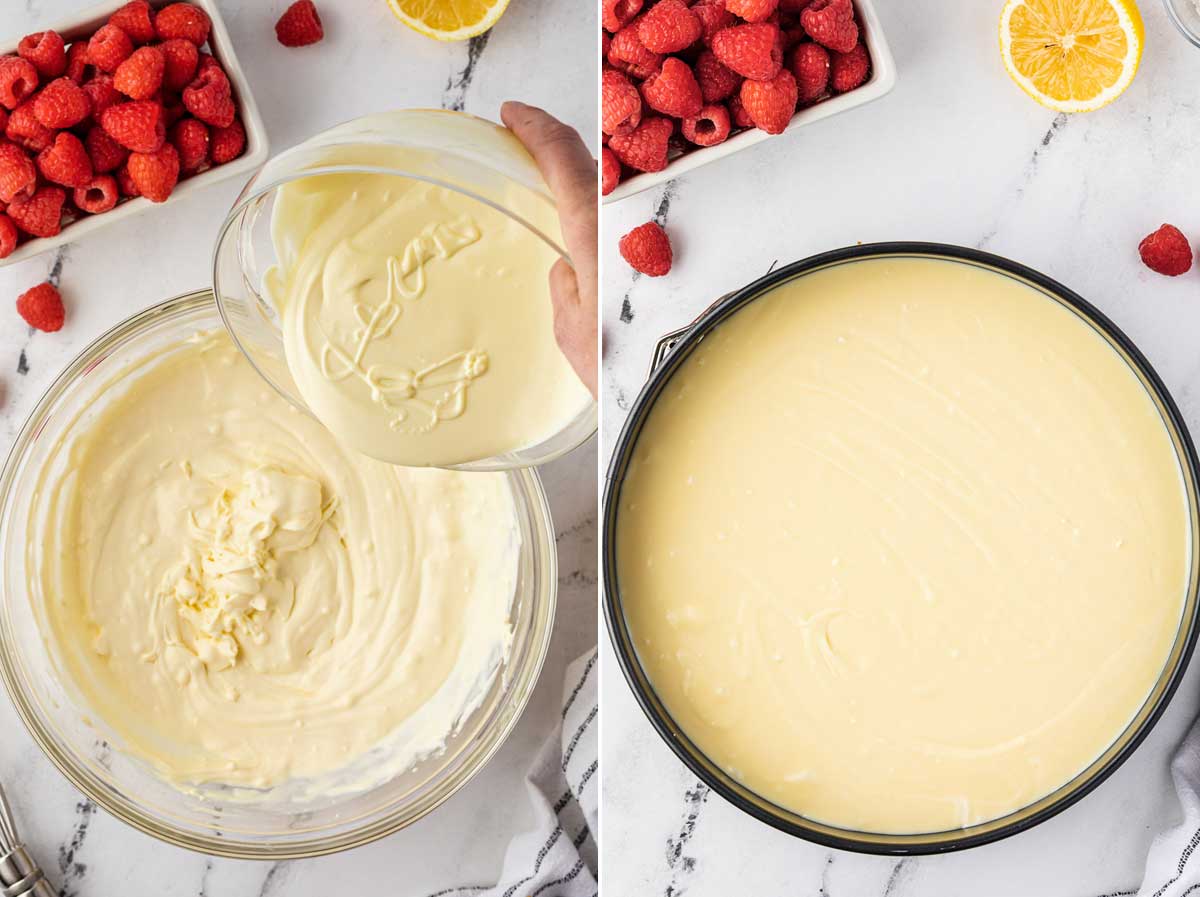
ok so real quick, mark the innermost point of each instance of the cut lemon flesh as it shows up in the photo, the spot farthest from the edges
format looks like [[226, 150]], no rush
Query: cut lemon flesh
[[1072, 55], [449, 19]]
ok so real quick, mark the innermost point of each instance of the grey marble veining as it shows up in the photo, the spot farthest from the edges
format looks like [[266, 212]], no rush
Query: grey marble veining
[[368, 62]]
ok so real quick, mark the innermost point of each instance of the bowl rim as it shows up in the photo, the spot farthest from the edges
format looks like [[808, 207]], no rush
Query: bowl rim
[[675, 737], [1188, 32], [238, 847]]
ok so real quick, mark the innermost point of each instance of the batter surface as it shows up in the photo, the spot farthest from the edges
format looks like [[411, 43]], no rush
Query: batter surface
[[903, 545], [245, 600]]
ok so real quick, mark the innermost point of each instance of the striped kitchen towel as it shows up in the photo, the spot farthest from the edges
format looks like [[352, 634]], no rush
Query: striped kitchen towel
[[557, 857], [1173, 865]]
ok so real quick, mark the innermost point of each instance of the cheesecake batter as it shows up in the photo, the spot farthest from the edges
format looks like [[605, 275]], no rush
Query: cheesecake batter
[[244, 600], [417, 321], [903, 546]]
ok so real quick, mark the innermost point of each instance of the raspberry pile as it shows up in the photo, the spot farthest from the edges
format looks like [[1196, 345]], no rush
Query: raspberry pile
[[681, 74], [125, 112]]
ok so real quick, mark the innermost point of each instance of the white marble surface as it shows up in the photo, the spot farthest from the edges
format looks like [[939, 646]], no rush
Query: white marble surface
[[955, 154], [368, 62]]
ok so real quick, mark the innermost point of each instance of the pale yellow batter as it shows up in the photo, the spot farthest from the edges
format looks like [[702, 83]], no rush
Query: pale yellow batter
[[416, 320], [244, 600], [903, 546]]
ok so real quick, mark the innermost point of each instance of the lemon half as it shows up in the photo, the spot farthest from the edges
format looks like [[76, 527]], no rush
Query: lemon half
[[449, 19]]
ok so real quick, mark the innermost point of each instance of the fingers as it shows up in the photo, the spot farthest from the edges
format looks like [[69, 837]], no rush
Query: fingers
[[574, 324]]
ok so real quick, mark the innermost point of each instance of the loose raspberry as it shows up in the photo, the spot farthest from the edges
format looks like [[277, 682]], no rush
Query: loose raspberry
[[620, 103], [102, 93], [125, 182], [41, 214], [717, 82], [190, 139], [141, 75], [108, 48], [62, 104], [673, 90], [810, 67], [738, 114], [18, 81], [208, 98], [25, 130], [1166, 251], [136, 19], [181, 59], [183, 20], [647, 249], [753, 51], [155, 174], [105, 153], [669, 27], [848, 70], [97, 196], [616, 14], [831, 24], [645, 147], [708, 128], [713, 17], [610, 171], [65, 161], [18, 175], [752, 10], [42, 308], [227, 143], [46, 51], [299, 25], [78, 69], [630, 55], [8, 236]]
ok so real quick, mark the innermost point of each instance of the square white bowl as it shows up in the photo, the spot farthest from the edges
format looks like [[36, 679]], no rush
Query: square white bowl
[[85, 23], [881, 82]]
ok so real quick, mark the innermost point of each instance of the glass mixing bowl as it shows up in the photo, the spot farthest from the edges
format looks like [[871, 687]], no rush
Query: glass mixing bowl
[[280, 824], [459, 152]]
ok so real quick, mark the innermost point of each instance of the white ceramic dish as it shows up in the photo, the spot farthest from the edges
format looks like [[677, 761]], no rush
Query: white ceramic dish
[[85, 23], [881, 82]]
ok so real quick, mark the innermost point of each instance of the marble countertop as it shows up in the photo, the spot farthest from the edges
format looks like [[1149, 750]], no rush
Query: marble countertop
[[368, 62], [956, 154]]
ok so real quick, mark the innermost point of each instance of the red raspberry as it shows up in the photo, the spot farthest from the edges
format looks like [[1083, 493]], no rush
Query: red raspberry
[[849, 70], [137, 125], [737, 112], [647, 249], [173, 112], [753, 51], [708, 128], [605, 44], [792, 37], [141, 75], [155, 174], [106, 154], [716, 81], [41, 214], [752, 10], [62, 104], [610, 171], [183, 20], [190, 139], [46, 51], [18, 176], [98, 195], [65, 161], [1166, 251], [831, 24], [125, 182], [102, 93], [669, 27], [630, 55], [18, 81], [228, 143], [810, 67], [3, 122], [208, 98], [620, 103], [181, 59], [673, 90], [299, 25], [108, 48], [793, 7], [42, 308], [136, 19], [8, 236], [645, 147], [24, 129], [616, 14], [713, 17], [77, 62], [770, 104], [207, 61]]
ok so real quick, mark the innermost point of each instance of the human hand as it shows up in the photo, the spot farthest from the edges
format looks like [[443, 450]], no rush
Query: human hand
[[570, 172]]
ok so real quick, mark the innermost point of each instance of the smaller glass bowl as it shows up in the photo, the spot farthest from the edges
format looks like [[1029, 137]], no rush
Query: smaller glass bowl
[[1186, 17], [283, 822], [458, 152]]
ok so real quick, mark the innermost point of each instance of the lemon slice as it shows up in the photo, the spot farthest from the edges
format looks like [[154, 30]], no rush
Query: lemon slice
[[449, 19], [1072, 55]]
